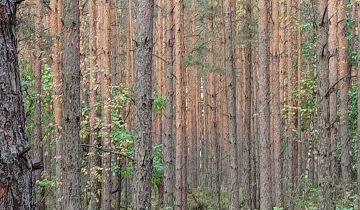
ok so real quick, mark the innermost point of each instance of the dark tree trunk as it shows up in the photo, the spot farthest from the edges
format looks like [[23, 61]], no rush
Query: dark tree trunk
[[15, 165], [143, 105], [169, 141], [230, 69]]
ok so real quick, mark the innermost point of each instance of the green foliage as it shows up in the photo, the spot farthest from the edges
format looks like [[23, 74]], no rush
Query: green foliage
[[123, 139], [353, 114], [306, 194], [28, 89], [158, 165], [46, 183], [159, 103]]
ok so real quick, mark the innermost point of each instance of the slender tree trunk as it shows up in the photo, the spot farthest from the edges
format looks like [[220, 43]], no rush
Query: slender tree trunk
[[115, 44], [344, 76], [216, 146], [129, 63], [231, 73], [56, 27], [169, 140], [15, 177], [70, 129], [38, 136], [94, 158], [333, 77], [143, 105], [282, 70], [325, 177], [276, 114], [130, 51], [180, 115], [263, 78], [210, 90], [106, 109], [193, 93]]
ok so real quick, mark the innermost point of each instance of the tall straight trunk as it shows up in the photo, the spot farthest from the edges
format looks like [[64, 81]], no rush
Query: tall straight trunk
[[333, 77], [104, 14], [325, 199], [15, 184], [193, 100], [282, 70], [143, 105], [248, 97], [94, 158], [129, 75], [70, 125], [282, 50], [56, 27], [344, 76], [115, 44], [210, 90], [276, 110], [255, 146], [38, 136], [169, 140], [205, 144], [216, 160], [212, 121], [129, 43], [180, 115], [263, 78], [231, 73]]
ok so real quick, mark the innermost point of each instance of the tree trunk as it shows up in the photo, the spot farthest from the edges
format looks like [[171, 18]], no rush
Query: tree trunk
[[276, 110], [56, 27], [105, 68], [263, 78], [94, 158], [143, 106], [15, 177], [180, 115], [169, 140], [344, 76], [193, 100], [333, 77], [231, 73], [325, 177], [115, 44], [70, 172]]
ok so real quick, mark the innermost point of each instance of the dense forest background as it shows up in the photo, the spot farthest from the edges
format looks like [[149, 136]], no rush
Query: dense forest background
[[180, 104]]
